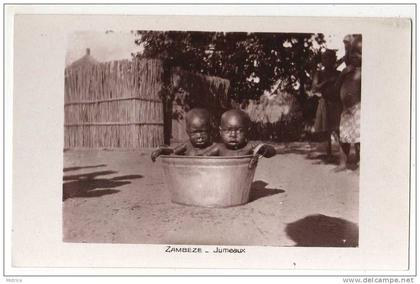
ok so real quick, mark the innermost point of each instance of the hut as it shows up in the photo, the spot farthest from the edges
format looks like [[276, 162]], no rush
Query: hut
[[86, 60]]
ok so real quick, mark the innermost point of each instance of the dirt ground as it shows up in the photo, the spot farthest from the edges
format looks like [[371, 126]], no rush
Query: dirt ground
[[119, 197]]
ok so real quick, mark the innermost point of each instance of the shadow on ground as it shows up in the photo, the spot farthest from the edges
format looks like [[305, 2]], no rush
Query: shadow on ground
[[84, 167], [323, 231], [88, 176], [259, 190], [87, 185]]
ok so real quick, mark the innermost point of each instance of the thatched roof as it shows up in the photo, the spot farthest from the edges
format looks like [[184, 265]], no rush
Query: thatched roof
[[204, 90], [86, 60]]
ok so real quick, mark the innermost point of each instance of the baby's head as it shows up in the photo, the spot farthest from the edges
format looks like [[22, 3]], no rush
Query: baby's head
[[329, 58], [347, 42], [234, 129], [198, 127]]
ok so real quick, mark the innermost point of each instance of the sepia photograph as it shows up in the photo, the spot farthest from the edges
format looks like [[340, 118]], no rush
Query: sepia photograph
[[238, 141], [212, 138]]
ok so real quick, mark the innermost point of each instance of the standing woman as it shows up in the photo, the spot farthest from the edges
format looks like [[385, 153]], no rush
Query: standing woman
[[327, 118], [349, 84]]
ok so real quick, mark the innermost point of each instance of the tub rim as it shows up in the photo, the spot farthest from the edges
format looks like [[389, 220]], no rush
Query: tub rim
[[206, 157]]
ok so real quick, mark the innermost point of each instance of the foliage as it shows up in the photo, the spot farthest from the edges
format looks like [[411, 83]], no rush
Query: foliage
[[252, 62]]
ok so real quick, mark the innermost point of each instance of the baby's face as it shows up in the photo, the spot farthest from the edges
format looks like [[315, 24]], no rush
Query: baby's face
[[233, 132], [198, 131]]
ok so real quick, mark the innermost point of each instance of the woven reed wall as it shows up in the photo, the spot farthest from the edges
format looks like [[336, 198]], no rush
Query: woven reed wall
[[114, 105]]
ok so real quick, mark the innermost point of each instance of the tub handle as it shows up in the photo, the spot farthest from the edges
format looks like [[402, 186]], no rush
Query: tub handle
[[254, 160]]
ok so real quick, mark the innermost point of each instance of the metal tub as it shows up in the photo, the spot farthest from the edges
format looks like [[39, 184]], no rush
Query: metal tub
[[208, 181]]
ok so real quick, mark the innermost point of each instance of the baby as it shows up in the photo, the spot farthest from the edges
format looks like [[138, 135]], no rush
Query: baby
[[234, 128], [198, 128]]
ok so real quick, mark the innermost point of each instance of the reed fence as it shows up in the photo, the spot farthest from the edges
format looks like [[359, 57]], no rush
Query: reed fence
[[114, 105]]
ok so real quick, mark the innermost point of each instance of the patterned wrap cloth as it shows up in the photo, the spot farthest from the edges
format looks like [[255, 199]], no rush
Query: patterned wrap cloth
[[350, 125]]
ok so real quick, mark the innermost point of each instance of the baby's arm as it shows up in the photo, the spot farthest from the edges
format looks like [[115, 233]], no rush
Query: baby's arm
[[264, 150], [166, 150], [181, 149], [161, 150]]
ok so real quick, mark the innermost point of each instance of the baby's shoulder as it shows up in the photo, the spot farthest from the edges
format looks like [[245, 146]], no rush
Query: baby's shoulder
[[194, 151]]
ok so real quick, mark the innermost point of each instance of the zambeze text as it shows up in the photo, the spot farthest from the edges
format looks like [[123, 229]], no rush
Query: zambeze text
[[183, 249]]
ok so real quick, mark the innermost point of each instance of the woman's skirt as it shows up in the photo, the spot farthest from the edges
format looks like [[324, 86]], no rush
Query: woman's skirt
[[350, 125], [321, 119]]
